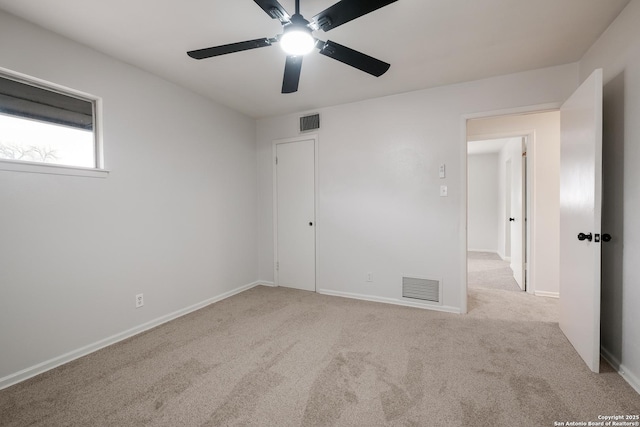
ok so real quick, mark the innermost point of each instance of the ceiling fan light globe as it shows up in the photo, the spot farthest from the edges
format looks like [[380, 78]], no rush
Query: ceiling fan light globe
[[297, 42]]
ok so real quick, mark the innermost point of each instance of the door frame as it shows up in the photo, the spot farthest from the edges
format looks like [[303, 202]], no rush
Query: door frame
[[540, 108], [274, 145]]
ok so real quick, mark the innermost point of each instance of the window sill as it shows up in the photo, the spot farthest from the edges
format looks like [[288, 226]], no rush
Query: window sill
[[44, 168]]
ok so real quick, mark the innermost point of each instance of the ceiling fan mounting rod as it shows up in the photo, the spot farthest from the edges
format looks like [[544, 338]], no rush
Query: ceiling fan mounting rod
[[297, 7]]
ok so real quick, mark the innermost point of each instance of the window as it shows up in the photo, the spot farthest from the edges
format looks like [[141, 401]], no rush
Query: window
[[45, 125]]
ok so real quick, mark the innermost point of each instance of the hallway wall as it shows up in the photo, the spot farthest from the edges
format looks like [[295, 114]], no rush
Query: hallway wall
[[483, 202]]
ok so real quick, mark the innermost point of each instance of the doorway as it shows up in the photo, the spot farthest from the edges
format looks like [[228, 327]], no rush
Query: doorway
[[572, 199], [295, 213], [541, 172], [497, 213]]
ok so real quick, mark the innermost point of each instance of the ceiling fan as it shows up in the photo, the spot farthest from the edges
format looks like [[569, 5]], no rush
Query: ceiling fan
[[297, 38]]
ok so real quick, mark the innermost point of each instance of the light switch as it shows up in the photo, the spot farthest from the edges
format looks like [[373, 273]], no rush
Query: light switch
[[443, 191], [442, 171]]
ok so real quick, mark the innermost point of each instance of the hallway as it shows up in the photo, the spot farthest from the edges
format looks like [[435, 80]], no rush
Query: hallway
[[488, 270]]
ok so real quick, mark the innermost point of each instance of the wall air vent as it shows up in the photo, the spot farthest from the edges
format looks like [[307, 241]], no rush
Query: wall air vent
[[422, 289], [311, 122]]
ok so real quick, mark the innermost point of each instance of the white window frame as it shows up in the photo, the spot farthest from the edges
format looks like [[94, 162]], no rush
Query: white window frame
[[98, 171]]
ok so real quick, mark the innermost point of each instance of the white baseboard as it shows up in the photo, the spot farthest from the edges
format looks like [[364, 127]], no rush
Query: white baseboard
[[47, 365], [395, 301], [493, 251], [266, 283], [547, 294], [633, 381], [503, 256]]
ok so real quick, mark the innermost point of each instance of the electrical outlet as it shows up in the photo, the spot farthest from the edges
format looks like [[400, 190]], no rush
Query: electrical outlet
[[369, 277], [139, 300], [444, 192]]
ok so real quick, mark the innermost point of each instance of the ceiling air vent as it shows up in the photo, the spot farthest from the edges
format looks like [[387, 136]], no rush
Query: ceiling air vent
[[310, 122], [422, 289]]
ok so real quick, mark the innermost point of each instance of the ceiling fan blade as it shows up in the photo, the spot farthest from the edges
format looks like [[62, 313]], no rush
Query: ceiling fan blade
[[229, 48], [292, 70], [274, 10], [345, 11], [356, 59]]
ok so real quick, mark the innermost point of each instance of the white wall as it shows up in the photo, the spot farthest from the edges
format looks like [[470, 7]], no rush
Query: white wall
[[379, 206], [618, 53], [544, 151], [483, 202], [175, 219]]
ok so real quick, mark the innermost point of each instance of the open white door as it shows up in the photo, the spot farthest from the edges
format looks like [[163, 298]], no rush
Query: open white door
[[507, 213], [517, 211], [580, 210]]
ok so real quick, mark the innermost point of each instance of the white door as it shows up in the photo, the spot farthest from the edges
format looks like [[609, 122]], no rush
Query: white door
[[580, 208], [517, 212], [507, 210], [295, 215]]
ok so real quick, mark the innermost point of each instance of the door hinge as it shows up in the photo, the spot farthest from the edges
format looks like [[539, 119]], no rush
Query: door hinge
[[276, 160], [277, 266]]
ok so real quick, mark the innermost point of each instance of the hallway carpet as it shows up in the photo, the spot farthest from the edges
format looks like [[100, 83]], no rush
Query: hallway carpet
[[488, 270]]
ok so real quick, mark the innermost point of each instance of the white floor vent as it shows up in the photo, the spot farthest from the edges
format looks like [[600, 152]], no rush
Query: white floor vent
[[308, 123], [422, 289]]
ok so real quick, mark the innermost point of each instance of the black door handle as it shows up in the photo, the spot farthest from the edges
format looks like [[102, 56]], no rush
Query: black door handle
[[583, 236], [606, 237], [512, 219], [310, 224]]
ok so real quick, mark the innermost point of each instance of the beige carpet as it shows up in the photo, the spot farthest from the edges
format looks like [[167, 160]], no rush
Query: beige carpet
[[488, 270], [282, 357]]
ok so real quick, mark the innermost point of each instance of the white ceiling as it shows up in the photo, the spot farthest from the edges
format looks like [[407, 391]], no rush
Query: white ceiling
[[428, 43]]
